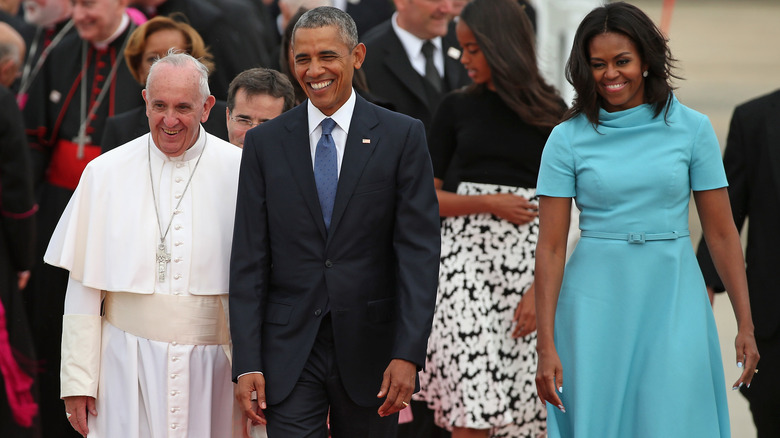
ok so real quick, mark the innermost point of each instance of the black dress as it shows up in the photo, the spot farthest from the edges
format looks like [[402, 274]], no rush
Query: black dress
[[476, 375]]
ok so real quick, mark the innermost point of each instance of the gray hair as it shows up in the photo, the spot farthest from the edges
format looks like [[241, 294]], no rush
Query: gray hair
[[176, 58], [324, 16]]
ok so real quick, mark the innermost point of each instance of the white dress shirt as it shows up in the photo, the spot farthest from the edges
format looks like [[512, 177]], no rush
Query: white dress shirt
[[413, 47], [342, 117]]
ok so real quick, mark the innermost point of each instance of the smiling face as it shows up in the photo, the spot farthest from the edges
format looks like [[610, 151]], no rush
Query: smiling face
[[324, 66], [97, 20], [472, 57], [175, 108], [157, 46], [617, 70]]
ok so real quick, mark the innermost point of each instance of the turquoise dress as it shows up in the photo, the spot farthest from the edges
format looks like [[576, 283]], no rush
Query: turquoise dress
[[634, 328]]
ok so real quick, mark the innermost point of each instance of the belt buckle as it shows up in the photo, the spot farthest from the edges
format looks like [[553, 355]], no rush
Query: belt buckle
[[636, 238]]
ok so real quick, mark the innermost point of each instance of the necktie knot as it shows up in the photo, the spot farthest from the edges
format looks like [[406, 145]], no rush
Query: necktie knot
[[427, 49], [327, 126]]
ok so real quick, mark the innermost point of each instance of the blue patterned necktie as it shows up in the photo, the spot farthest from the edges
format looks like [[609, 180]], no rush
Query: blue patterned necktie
[[326, 170]]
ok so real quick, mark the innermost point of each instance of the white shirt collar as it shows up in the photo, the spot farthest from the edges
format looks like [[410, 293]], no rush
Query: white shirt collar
[[191, 153], [122, 26], [342, 116], [413, 47]]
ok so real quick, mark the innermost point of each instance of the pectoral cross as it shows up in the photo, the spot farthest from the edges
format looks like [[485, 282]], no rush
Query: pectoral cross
[[163, 258]]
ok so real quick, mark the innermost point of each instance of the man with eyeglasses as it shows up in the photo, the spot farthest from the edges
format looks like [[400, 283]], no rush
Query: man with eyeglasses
[[256, 96]]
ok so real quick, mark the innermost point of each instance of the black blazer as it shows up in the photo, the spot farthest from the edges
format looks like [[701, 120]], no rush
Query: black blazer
[[376, 269], [233, 33], [369, 13], [132, 124], [392, 78], [752, 162]]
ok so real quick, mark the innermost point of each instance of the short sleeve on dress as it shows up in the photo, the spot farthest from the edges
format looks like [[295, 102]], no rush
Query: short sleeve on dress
[[556, 173], [706, 169]]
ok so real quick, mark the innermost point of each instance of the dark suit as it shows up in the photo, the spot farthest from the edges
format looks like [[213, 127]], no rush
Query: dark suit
[[132, 124], [17, 253], [369, 13], [376, 269], [392, 78], [752, 162], [233, 33]]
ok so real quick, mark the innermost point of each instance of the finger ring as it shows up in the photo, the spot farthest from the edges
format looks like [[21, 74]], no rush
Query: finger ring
[[756, 371], [405, 403], [68, 415]]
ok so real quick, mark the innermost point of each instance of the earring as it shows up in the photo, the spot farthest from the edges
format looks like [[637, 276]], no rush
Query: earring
[[644, 74]]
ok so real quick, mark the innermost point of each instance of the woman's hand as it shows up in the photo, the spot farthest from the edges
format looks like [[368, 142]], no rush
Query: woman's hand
[[525, 314], [549, 378], [76, 408], [747, 357], [515, 209]]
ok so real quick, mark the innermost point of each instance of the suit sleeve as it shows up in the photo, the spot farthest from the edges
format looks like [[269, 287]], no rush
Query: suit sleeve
[[417, 245], [735, 163], [249, 262], [17, 204]]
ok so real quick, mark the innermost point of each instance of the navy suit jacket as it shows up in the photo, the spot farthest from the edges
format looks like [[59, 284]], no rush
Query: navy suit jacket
[[376, 269], [752, 162]]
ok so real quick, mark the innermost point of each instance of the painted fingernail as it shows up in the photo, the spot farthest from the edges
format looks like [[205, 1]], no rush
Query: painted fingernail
[[562, 408], [734, 388], [739, 364], [748, 385], [560, 389]]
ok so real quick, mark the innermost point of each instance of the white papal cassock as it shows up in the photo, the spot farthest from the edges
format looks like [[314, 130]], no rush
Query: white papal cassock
[[149, 379]]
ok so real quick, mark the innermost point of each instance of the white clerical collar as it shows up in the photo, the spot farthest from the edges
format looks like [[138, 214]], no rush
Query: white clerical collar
[[342, 116], [191, 153], [412, 44], [100, 45]]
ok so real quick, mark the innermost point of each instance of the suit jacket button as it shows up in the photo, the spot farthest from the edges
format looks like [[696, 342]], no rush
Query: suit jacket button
[[328, 263], [318, 312]]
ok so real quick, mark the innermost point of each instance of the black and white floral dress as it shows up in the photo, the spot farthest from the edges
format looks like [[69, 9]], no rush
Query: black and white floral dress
[[476, 374]]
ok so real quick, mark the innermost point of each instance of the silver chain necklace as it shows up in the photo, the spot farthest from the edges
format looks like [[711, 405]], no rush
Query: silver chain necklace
[[163, 257]]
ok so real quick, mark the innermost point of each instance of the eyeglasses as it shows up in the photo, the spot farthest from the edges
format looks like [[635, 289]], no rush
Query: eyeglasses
[[245, 123]]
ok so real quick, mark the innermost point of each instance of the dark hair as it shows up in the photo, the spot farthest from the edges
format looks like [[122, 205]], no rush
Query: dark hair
[[136, 44], [628, 20], [257, 81], [505, 36], [324, 16]]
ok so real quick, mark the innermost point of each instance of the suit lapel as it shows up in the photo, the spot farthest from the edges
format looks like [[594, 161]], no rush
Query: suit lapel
[[452, 67], [356, 155], [398, 63], [298, 152]]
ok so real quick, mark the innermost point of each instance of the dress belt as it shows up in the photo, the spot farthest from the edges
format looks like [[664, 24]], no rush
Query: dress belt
[[636, 237]]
